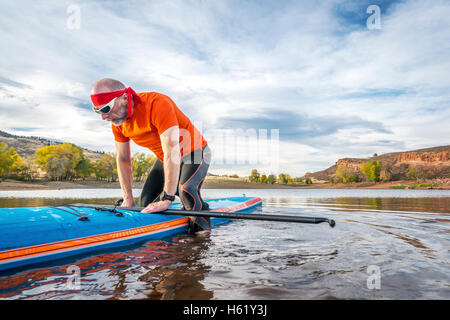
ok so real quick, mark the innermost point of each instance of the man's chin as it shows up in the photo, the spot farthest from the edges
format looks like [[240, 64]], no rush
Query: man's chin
[[118, 122]]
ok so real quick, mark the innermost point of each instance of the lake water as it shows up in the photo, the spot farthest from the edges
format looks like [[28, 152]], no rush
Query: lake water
[[387, 244]]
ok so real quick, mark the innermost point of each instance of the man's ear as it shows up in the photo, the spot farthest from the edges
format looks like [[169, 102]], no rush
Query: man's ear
[[124, 98]]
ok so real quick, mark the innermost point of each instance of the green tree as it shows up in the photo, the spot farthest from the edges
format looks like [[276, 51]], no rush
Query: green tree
[[416, 173], [263, 178], [141, 164], [308, 181], [289, 179], [298, 180], [99, 171], [254, 176], [84, 168], [105, 168], [282, 178], [109, 164], [271, 179], [371, 170], [355, 178]]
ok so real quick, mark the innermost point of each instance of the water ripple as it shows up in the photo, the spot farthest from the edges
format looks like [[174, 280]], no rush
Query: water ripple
[[406, 238]]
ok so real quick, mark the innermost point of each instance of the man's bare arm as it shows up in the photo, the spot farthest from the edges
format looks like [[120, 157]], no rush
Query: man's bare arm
[[125, 173], [170, 142]]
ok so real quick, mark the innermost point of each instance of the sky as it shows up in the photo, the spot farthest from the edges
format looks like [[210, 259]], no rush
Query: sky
[[280, 86]]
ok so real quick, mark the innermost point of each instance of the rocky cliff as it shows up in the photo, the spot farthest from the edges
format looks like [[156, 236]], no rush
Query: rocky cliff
[[435, 158], [431, 162]]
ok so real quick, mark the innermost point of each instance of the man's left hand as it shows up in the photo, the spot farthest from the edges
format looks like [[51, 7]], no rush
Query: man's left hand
[[157, 206]]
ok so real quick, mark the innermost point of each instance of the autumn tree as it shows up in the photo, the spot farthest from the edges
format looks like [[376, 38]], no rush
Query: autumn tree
[[263, 178], [342, 174], [84, 168], [355, 178], [10, 161], [105, 168], [60, 162], [28, 170], [141, 164], [282, 178], [289, 179], [254, 176], [371, 170], [271, 179], [416, 173], [386, 173]]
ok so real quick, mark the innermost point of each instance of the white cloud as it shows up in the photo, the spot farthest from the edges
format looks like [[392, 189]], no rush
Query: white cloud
[[221, 59]]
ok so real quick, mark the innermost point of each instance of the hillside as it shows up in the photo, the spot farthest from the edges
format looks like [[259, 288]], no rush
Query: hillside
[[27, 146], [435, 160]]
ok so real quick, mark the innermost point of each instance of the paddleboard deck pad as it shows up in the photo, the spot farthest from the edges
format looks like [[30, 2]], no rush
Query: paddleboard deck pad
[[35, 235]]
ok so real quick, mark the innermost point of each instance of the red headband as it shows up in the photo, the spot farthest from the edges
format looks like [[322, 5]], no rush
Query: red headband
[[103, 98]]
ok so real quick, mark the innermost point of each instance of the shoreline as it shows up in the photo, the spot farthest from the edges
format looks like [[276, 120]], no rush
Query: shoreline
[[228, 183]]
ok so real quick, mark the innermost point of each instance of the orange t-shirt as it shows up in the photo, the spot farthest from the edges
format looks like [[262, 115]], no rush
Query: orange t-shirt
[[152, 116]]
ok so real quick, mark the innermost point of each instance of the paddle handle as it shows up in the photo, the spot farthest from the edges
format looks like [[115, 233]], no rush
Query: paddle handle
[[237, 215]]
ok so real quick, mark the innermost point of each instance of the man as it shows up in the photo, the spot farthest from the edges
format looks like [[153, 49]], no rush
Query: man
[[152, 120]]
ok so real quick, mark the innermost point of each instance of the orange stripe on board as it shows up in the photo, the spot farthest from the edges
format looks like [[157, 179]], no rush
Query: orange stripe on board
[[53, 247]]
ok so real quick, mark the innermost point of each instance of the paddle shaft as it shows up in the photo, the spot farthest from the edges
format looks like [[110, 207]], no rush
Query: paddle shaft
[[229, 215]]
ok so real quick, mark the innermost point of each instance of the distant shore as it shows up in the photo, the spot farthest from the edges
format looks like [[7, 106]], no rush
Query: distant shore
[[214, 182]]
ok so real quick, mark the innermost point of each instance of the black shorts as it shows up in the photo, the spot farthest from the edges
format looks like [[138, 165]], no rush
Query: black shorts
[[193, 170]]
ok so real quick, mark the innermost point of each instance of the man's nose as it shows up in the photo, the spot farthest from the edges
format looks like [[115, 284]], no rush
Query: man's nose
[[104, 116]]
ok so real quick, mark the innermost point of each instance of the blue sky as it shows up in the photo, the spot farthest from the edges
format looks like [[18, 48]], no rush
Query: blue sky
[[312, 70]]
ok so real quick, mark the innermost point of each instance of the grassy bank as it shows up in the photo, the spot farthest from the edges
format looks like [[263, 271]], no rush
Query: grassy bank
[[213, 182]]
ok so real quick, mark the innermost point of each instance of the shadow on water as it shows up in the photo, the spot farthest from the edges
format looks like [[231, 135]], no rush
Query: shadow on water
[[157, 270], [435, 205]]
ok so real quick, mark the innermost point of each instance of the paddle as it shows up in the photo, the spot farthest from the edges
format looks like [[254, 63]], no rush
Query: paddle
[[227, 215]]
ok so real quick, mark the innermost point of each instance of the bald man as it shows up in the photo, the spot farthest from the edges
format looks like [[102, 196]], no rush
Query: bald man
[[152, 120]]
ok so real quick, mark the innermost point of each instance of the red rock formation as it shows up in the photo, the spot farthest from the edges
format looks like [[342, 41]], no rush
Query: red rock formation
[[353, 165], [435, 161], [427, 157]]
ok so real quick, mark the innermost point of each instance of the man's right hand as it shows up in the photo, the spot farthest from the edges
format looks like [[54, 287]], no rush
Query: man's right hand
[[128, 203]]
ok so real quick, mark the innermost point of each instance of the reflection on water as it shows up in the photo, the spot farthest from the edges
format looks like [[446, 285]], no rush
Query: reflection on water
[[405, 237], [350, 203], [41, 202], [156, 270]]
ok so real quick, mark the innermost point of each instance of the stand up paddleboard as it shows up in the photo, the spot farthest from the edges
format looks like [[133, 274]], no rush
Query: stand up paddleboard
[[35, 235]]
